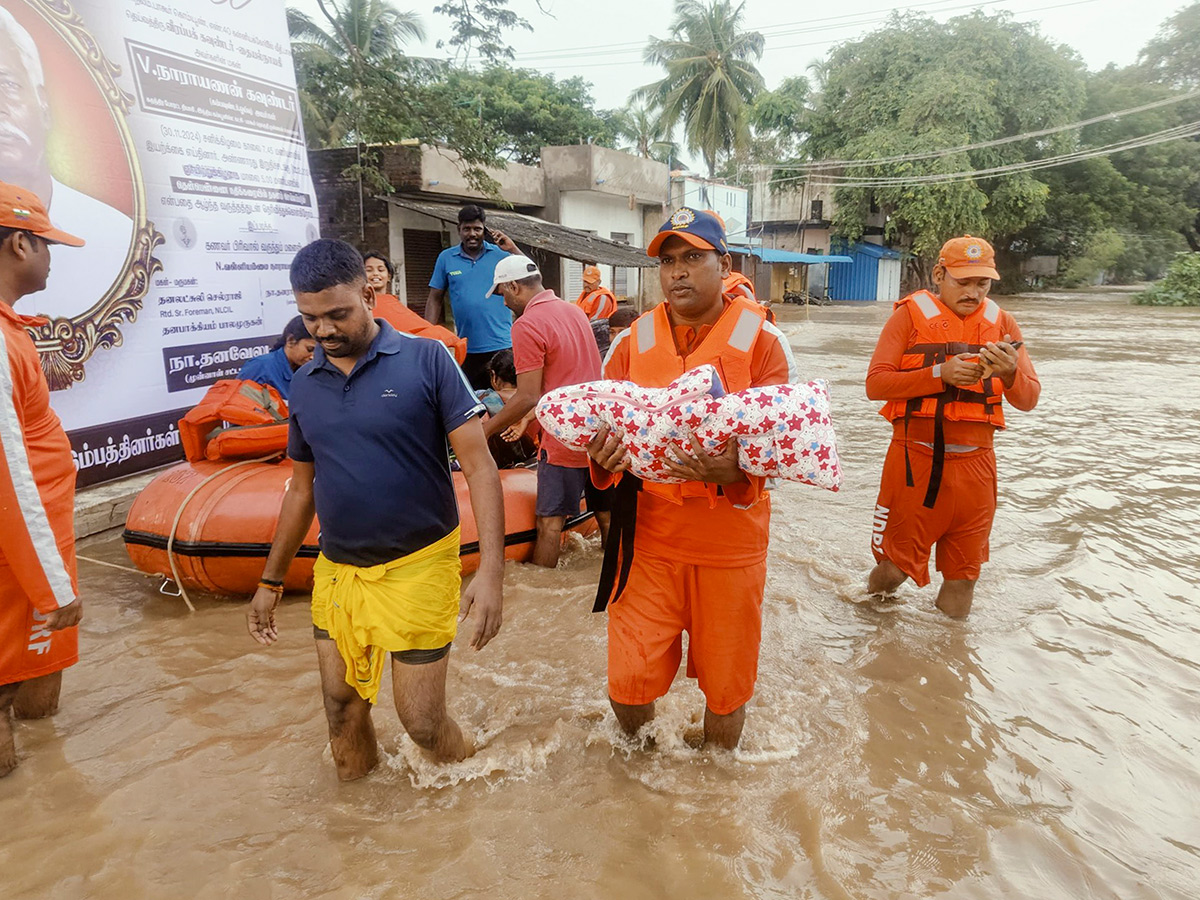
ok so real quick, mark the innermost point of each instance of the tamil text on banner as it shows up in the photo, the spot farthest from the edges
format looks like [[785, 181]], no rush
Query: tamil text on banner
[[167, 134]]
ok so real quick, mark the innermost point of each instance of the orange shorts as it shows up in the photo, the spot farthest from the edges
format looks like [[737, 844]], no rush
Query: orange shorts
[[959, 524], [720, 609], [27, 650]]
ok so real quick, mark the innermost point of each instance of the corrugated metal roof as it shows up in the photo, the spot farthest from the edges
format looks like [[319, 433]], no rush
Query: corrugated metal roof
[[872, 250], [550, 236], [769, 255]]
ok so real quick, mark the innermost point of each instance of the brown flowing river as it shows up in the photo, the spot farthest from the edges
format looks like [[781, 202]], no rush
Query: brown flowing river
[[1047, 747]]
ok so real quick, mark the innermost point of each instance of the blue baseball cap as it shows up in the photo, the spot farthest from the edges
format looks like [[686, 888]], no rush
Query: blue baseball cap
[[699, 228]]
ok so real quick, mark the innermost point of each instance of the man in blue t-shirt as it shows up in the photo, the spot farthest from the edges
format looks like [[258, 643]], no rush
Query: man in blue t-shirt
[[370, 418], [465, 272]]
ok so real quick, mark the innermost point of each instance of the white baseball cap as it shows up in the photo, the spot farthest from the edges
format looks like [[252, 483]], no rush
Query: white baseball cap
[[512, 268]]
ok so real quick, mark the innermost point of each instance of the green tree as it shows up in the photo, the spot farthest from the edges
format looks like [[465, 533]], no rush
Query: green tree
[[639, 129], [353, 36], [711, 77], [371, 29], [1181, 287], [1173, 56], [527, 110], [479, 25], [917, 86], [780, 118]]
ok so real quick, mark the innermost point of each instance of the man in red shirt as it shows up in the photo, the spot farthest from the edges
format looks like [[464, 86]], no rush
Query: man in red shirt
[[945, 363], [552, 347], [39, 599], [697, 559]]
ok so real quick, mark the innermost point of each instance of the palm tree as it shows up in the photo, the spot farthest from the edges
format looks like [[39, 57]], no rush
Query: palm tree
[[641, 129], [711, 76], [357, 34], [362, 29]]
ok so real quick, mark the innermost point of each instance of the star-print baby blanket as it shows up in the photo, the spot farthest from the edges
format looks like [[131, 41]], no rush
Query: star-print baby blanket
[[782, 430]]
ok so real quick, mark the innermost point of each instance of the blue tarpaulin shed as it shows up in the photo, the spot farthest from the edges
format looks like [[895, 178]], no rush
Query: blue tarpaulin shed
[[788, 257], [874, 275]]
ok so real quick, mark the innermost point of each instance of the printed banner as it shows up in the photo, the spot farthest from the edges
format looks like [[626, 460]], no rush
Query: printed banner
[[166, 134]]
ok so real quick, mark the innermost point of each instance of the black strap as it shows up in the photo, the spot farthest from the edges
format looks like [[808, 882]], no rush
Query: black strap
[[618, 552], [939, 452]]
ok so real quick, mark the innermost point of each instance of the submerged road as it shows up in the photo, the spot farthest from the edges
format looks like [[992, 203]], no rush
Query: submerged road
[[1044, 748]]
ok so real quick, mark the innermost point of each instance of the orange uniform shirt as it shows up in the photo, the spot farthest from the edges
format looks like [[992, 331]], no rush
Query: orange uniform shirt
[[721, 536], [37, 474], [597, 304], [37, 503], [885, 381], [389, 308]]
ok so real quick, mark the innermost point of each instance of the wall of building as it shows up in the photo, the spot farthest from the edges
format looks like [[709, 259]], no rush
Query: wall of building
[[401, 220], [609, 217], [731, 203], [792, 205], [797, 238], [599, 170], [522, 186]]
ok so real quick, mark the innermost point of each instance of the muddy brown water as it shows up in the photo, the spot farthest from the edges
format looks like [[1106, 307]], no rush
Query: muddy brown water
[[1045, 748]]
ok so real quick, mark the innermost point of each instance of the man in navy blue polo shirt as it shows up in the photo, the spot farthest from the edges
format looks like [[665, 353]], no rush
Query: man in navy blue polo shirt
[[370, 417], [465, 272]]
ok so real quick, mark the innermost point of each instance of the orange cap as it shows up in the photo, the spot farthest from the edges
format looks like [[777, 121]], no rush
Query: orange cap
[[21, 209], [591, 273], [969, 257]]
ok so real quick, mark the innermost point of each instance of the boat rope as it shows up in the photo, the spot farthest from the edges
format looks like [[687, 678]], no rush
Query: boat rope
[[179, 515], [101, 562]]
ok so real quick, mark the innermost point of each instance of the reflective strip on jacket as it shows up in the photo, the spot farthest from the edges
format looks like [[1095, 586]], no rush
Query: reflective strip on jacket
[[938, 334], [655, 362]]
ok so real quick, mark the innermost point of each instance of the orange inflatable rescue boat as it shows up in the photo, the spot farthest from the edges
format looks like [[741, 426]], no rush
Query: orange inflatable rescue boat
[[207, 523]]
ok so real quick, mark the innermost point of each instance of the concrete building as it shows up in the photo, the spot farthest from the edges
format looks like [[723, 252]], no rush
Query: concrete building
[[791, 222], [584, 204], [608, 193], [730, 202]]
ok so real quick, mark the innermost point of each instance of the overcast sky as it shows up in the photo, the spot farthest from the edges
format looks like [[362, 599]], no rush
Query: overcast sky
[[602, 41]]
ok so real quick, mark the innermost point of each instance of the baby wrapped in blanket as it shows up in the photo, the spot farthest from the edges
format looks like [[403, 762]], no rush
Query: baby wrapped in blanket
[[782, 430]]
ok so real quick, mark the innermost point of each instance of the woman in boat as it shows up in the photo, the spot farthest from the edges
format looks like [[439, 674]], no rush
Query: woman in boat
[[380, 273], [292, 350]]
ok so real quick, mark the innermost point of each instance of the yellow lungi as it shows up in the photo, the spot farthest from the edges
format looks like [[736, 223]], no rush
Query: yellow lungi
[[410, 603]]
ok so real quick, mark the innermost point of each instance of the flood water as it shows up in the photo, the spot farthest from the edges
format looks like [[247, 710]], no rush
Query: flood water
[[1046, 747]]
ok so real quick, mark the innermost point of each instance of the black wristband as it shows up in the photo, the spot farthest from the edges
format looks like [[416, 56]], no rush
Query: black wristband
[[271, 581]]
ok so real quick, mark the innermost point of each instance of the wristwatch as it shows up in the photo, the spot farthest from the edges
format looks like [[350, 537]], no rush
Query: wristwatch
[[937, 371]]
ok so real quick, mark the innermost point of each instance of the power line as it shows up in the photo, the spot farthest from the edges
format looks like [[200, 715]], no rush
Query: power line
[[773, 48], [1191, 129], [817, 165], [782, 29]]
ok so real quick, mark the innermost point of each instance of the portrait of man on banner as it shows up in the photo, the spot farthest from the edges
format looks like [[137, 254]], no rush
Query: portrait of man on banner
[[27, 128]]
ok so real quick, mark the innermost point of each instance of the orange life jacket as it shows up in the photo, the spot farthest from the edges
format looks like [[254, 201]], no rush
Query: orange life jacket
[[938, 334], [737, 283], [391, 310], [654, 362], [604, 300], [235, 420]]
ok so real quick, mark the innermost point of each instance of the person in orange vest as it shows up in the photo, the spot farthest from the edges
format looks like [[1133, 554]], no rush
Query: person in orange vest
[[380, 272], [945, 363], [737, 283], [741, 286], [41, 607], [596, 301], [697, 559]]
